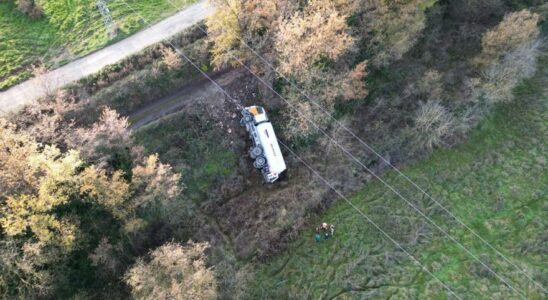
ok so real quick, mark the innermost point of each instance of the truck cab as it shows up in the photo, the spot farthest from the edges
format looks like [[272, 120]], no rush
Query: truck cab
[[265, 150]]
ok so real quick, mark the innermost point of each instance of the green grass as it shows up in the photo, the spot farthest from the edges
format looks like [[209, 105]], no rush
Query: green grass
[[192, 145], [69, 29], [496, 183]]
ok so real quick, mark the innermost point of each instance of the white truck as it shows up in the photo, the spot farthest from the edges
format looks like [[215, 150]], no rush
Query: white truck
[[265, 150]]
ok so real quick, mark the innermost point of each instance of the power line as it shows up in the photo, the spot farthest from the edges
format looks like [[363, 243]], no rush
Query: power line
[[364, 215], [380, 179], [239, 106], [387, 162]]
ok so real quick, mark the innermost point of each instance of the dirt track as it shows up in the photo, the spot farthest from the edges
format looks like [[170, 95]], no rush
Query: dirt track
[[35, 88], [200, 92]]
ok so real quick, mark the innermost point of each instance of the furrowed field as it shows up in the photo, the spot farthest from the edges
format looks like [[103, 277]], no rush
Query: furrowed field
[[67, 30]]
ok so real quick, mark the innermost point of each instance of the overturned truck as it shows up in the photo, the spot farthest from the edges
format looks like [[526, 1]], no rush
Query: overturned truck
[[265, 151]]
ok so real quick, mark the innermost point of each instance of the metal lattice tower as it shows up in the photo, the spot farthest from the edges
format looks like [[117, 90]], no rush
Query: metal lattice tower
[[107, 18]]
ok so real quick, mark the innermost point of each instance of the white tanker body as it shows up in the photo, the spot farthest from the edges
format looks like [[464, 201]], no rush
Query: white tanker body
[[265, 150]]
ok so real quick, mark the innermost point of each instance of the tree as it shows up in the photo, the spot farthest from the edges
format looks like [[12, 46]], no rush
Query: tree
[[173, 272], [49, 197], [154, 182], [309, 42], [392, 27], [509, 54], [516, 30], [237, 23], [105, 256], [34, 183], [225, 32], [499, 78], [23, 269], [106, 142], [111, 192], [16, 175], [320, 31]]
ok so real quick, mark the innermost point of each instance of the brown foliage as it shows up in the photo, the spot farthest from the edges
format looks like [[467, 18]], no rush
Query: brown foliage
[[352, 86], [98, 143], [154, 181], [252, 22], [171, 58]]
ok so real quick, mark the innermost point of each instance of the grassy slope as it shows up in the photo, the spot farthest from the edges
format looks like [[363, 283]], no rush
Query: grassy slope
[[202, 161], [70, 28], [496, 183]]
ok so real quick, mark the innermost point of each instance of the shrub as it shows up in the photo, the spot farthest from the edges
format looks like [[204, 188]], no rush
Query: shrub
[[171, 58], [30, 8]]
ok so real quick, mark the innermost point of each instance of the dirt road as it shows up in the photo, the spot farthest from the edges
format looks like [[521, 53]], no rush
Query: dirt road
[[32, 89], [200, 92]]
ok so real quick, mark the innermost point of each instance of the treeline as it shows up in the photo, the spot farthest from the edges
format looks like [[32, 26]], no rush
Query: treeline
[[332, 52], [79, 204], [81, 201]]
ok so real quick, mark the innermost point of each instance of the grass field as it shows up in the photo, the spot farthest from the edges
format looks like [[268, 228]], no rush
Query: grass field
[[69, 29], [496, 183], [202, 161]]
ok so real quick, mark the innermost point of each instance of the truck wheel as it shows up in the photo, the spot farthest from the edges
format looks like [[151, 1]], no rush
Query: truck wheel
[[256, 151], [247, 118], [260, 162]]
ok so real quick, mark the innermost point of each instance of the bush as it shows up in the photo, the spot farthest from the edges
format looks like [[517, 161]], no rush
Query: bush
[[171, 58], [30, 8]]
